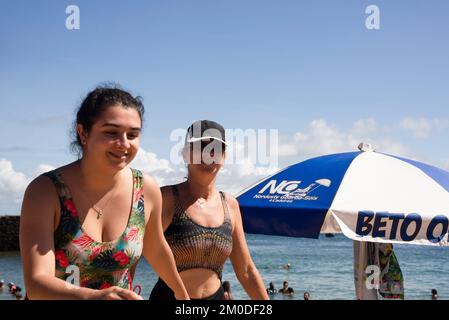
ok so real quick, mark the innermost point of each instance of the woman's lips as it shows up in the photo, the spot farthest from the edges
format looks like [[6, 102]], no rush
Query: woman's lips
[[120, 156]]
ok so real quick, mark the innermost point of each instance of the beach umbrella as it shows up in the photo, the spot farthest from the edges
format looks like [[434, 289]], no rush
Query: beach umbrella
[[366, 195]]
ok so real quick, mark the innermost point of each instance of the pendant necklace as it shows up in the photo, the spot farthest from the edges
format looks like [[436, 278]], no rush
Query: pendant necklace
[[100, 211]]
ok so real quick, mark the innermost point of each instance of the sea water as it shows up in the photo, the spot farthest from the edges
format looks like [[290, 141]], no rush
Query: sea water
[[323, 267]]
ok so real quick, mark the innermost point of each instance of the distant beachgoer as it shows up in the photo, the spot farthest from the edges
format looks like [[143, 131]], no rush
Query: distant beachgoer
[[286, 289], [287, 266], [271, 289], [2, 283], [12, 288], [306, 296], [434, 294], [227, 290], [97, 215], [18, 296]]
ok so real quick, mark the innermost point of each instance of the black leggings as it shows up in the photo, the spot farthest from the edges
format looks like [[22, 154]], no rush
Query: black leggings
[[163, 292]]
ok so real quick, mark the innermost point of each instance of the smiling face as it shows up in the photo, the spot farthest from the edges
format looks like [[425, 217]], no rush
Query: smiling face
[[113, 140]]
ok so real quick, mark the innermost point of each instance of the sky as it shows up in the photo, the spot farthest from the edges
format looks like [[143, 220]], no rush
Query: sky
[[311, 70]]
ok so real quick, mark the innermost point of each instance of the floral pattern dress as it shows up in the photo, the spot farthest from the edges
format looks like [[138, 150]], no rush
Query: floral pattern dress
[[100, 264]]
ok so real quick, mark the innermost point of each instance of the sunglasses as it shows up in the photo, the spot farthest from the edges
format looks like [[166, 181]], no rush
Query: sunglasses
[[211, 145]]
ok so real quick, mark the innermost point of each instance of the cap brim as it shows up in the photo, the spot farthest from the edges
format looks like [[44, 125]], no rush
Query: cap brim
[[191, 140]]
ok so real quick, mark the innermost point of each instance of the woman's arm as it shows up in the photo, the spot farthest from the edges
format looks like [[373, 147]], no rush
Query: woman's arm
[[244, 267], [156, 249], [37, 227]]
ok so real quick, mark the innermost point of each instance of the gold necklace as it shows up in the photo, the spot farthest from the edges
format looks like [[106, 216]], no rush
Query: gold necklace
[[100, 211]]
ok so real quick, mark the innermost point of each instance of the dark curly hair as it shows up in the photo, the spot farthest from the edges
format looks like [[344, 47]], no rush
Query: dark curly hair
[[97, 101]]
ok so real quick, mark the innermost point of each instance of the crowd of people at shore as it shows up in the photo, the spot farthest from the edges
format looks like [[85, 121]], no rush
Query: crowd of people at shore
[[14, 290], [285, 290]]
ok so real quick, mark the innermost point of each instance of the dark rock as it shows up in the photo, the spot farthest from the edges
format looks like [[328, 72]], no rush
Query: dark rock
[[9, 233]]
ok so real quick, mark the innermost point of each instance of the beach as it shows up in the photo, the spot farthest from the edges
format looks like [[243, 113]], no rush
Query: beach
[[321, 266]]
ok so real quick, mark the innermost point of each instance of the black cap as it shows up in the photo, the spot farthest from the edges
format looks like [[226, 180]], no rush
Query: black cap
[[205, 130]]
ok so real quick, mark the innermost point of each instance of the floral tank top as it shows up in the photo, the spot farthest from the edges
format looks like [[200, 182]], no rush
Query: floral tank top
[[100, 264]]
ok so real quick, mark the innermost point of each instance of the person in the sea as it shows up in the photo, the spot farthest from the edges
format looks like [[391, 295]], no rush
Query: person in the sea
[[434, 294], [15, 289], [306, 295], [2, 283], [227, 290], [203, 226], [286, 290], [85, 225], [12, 287], [271, 289], [287, 266]]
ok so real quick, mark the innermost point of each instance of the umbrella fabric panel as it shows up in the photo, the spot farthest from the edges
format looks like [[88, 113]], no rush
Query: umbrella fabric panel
[[284, 222], [439, 175], [384, 199], [299, 196]]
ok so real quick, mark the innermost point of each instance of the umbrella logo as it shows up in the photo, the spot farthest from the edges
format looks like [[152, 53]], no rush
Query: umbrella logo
[[287, 191]]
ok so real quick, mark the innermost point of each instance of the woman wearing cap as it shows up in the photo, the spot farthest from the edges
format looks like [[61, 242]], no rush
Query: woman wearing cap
[[85, 225], [203, 226]]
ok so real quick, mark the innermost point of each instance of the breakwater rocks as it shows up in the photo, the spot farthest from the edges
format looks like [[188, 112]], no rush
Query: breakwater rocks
[[9, 233]]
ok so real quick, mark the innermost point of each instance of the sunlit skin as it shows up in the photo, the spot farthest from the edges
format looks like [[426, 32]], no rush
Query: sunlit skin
[[201, 283], [100, 177]]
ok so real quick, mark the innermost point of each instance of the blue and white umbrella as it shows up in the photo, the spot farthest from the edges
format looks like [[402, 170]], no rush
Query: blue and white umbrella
[[369, 196]]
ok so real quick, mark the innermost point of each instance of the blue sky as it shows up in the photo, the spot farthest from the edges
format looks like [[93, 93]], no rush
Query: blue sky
[[310, 69]]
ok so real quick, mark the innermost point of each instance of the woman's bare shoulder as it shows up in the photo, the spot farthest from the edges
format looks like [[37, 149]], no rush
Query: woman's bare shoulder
[[40, 199], [232, 202], [41, 187]]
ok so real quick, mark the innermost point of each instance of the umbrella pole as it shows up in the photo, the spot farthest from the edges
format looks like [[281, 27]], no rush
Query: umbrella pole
[[359, 264], [362, 260]]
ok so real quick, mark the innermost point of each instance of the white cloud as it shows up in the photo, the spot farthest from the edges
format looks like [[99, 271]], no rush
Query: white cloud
[[12, 187], [323, 138], [422, 128], [160, 169], [149, 162], [13, 184]]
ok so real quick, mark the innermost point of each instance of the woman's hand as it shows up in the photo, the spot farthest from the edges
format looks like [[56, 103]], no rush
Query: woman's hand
[[182, 295], [115, 293]]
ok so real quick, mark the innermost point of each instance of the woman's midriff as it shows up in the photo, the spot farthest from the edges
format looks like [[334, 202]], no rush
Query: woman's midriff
[[200, 283]]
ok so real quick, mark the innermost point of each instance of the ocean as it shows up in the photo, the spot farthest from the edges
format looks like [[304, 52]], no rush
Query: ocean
[[323, 267]]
